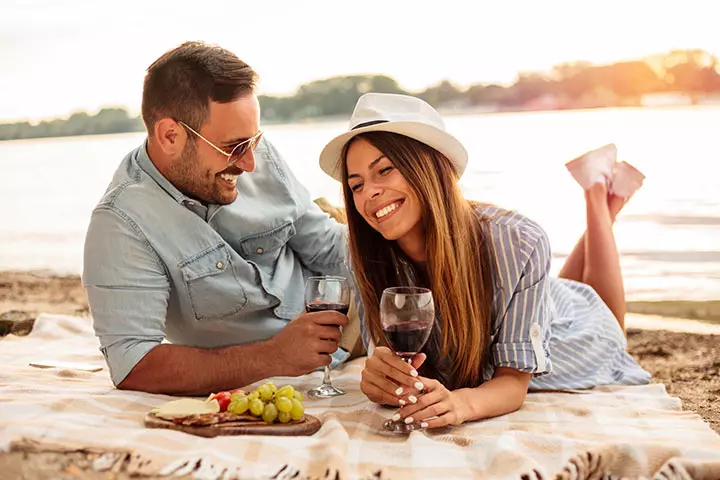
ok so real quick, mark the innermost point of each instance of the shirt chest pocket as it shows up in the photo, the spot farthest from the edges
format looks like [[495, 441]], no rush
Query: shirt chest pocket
[[213, 287], [265, 247]]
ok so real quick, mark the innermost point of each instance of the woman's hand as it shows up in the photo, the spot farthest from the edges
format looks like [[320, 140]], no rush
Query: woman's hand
[[438, 406], [386, 378], [448, 407]]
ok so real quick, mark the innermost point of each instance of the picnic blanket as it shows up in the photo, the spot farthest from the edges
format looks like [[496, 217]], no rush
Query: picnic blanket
[[607, 432]]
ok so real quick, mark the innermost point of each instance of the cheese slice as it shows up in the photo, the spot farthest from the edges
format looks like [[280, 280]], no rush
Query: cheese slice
[[185, 407]]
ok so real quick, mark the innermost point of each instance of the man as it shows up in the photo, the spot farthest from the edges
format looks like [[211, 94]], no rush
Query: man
[[204, 238]]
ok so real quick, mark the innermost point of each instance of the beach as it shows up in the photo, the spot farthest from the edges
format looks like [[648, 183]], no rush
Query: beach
[[687, 363], [668, 235]]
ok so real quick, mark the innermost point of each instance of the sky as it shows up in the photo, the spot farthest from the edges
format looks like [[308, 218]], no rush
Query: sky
[[60, 56]]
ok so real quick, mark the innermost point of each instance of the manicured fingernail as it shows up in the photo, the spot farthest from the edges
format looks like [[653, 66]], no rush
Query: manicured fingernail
[[412, 398], [419, 385], [399, 391], [396, 417], [413, 373], [402, 402], [409, 420], [424, 425]]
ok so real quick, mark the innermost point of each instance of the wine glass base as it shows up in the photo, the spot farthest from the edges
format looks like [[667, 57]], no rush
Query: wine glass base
[[325, 391], [400, 428]]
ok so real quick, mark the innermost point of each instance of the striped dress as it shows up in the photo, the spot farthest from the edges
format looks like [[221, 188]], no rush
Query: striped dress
[[559, 330]]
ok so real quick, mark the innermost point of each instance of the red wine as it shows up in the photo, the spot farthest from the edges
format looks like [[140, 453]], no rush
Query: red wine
[[319, 307], [407, 338]]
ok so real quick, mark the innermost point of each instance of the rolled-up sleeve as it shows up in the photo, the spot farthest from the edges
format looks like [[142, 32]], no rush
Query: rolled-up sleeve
[[523, 339], [127, 288], [319, 241]]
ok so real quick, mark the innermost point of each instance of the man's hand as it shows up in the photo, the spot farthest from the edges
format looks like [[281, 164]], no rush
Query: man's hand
[[307, 342], [386, 379]]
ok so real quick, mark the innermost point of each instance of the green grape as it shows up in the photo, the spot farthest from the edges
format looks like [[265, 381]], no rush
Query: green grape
[[270, 413], [297, 410], [254, 395], [283, 417], [273, 388], [257, 407], [237, 396], [266, 393], [283, 404], [241, 405], [286, 391], [298, 396]]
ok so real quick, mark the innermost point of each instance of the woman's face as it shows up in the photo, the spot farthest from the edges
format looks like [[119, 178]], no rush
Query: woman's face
[[381, 194]]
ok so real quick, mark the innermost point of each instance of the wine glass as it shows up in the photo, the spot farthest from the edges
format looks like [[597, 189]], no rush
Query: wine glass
[[407, 316], [327, 293]]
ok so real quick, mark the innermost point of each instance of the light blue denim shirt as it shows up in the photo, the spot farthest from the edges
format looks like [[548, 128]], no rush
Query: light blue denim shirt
[[160, 265]]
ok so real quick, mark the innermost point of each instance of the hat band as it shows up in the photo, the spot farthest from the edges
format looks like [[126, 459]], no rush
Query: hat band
[[367, 124]]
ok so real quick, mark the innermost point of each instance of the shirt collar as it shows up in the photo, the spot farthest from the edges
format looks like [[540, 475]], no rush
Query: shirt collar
[[144, 161]]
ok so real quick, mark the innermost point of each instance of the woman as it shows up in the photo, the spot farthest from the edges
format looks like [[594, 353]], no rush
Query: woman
[[503, 323]]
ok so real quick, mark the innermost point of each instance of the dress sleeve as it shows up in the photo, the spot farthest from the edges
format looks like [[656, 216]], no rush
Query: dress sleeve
[[523, 338]]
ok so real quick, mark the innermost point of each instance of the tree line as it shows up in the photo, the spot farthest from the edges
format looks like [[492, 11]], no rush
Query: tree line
[[694, 73]]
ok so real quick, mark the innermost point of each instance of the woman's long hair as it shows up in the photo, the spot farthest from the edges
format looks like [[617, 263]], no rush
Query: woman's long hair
[[459, 266]]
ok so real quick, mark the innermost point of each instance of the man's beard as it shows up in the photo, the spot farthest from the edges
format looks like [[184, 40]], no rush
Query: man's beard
[[188, 176]]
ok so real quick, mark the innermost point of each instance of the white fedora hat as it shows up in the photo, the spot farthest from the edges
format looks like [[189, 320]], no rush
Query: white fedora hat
[[403, 114]]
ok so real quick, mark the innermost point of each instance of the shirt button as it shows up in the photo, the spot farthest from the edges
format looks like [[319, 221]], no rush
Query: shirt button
[[219, 265], [260, 250]]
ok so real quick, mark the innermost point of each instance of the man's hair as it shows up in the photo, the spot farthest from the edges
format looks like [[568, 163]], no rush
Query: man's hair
[[182, 82]]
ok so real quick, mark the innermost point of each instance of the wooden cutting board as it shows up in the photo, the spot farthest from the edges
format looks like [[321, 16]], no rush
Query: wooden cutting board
[[307, 426]]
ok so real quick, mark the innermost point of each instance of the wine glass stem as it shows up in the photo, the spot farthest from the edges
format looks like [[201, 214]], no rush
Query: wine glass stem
[[326, 376]]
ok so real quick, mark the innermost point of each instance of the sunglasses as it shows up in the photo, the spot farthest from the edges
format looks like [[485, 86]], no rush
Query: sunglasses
[[238, 150]]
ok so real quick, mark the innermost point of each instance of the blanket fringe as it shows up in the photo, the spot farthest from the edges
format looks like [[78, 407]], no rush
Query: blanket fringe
[[136, 465], [621, 462], [684, 469], [112, 462], [610, 463], [587, 466]]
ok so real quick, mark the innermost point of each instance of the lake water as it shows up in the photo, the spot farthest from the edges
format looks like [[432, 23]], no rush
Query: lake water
[[669, 234]]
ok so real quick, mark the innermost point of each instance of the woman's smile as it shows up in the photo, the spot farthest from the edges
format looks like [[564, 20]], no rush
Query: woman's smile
[[386, 211]]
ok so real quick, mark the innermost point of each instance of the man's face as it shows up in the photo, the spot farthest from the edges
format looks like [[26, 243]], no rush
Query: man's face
[[201, 172]]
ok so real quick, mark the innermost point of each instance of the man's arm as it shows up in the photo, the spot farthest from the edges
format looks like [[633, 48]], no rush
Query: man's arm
[[301, 347], [181, 370], [128, 290], [319, 241]]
